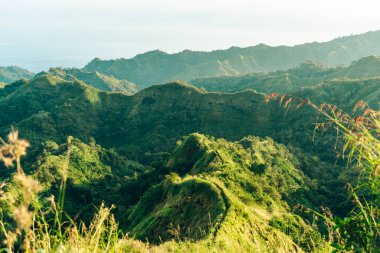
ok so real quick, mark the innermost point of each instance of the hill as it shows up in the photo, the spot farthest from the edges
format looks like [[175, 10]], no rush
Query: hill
[[154, 118], [157, 67], [95, 79], [13, 73], [363, 68], [94, 174], [235, 187], [236, 195], [231, 195], [306, 74]]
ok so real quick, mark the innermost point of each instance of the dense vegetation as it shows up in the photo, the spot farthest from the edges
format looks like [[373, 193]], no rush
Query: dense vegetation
[[95, 79], [228, 165], [306, 74], [231, 195]]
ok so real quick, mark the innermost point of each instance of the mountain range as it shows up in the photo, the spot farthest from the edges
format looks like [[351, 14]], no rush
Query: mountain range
[[95, 79], [157, 67], [209, 165], [306, 74], [13, 73], [154, 127]]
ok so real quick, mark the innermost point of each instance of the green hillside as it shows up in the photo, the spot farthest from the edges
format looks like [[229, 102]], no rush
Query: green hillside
[[182, 164], [226, 193], [95, 79], [94, 174], [231, 195], [154, 118], [146, 126], [157, 67], [13, 73], [306, 74]]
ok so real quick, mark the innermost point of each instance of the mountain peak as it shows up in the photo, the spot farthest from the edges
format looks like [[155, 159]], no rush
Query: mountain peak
[[372, 59], [152, 53], [175, 87], [10, 74]]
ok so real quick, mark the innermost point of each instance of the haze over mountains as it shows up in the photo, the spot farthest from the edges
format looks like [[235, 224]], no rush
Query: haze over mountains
[[157, 67], [13, 73]]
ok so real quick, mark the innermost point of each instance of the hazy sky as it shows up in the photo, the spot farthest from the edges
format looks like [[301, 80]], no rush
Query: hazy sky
[[36, 34]]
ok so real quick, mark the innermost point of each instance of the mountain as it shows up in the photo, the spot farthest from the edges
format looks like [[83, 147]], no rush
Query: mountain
[[154, 118], [95, 79], [94, 174], [158, 67], [306, 74], [227, 192], [184, 164], [363, 68], [212, 190], [147, 125], [13, 73]]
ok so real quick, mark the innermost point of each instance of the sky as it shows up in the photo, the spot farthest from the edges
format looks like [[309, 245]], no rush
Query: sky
[[38, 34]]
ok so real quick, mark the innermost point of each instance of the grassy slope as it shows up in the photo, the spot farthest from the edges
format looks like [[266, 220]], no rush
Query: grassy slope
[[216, 196], [94, 175], [227, 196]]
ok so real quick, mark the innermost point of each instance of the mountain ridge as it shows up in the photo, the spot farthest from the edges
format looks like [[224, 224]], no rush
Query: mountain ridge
[[156, 67], [306, 74], [95, 79], [211, 160], [141, 123], [13, 73]]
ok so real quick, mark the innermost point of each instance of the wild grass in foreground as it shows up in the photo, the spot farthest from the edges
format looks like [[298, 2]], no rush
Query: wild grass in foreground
[[32, 223], [29, 223], [360, 230]]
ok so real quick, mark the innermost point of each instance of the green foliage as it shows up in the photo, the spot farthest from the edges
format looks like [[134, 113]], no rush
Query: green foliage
[[212, 204], [51, 108], [360, 229], [94, 174], [216, 192], [307, 238], [205, 193]]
